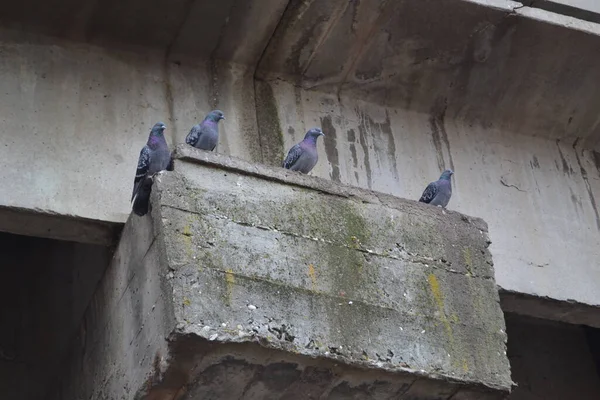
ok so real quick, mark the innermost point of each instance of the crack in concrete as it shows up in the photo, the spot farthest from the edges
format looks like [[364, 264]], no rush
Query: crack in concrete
[[508, 185], [406, 256], [588, 187]]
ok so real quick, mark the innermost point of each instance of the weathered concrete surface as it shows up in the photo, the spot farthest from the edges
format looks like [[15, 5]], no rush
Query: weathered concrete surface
[[539, 196], [291, 285], [121, 343], [493, 63]]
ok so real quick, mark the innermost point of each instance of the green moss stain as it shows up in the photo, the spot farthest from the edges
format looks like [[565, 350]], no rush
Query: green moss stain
[[269, 125]]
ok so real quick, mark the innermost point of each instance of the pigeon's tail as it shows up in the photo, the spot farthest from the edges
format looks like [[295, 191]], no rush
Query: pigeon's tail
[[141, 202]]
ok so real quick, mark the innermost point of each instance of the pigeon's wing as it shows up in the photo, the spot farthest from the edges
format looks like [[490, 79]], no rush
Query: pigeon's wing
[[293, 156], [429, 193], [142, 168], [194, 135]]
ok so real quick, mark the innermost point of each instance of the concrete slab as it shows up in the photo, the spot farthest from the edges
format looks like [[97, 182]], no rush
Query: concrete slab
[[277, 279]]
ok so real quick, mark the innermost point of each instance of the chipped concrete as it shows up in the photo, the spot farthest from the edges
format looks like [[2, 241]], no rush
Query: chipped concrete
[[289, 281]]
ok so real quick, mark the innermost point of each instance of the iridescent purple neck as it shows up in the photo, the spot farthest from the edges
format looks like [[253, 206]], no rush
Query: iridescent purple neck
[[311, 139], [155, 140]]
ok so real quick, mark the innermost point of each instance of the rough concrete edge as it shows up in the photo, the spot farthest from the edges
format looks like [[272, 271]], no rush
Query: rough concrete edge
[[564, 9], [562, 310], [559, 20], [52, 225], [187, 153], [178, 340], [160, 369]]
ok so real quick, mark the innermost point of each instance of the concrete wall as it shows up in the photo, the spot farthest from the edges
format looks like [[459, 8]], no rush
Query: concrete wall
[[45, 288], [550, 361]]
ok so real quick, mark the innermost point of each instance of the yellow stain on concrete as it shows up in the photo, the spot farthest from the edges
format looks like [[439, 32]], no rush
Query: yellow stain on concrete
[[468, 260], [436, 291], [312, 274], [186, 235], [186, 301], [229, 281], [465, 365]]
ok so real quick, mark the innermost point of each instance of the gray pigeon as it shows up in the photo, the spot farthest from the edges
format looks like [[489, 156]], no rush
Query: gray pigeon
[[303, 156], [438, 193], [154, 157], [205, 135]]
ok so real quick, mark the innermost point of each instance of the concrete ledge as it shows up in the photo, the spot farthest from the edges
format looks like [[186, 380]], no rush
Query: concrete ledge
[[46, 224], [568, 311]]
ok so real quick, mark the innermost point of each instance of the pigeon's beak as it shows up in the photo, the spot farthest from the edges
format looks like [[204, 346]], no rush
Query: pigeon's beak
[[223, 117]]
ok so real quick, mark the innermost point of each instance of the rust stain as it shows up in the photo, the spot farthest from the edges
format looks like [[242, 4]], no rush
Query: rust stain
[[434, 285], [229, 281], [465, 365], [312, 275], [438, 132]]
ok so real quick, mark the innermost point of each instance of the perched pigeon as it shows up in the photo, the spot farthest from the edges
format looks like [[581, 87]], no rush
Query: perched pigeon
[[438, 193], [303, 156], [154, 157], [205, 135]]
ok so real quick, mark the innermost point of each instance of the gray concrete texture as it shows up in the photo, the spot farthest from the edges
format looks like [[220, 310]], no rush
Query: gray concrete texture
[[503, 93], [292, 286]]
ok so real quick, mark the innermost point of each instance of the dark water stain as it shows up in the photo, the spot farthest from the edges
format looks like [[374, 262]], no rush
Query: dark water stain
[[584, 175], [362, 138], [269, 126], [576, 201], [291, 131], [379, 129], [596, 157], [535, 163], [330, 141], [566, 168], [354, 156], [438, 132], [351, 135], [386, 129], [351, 139], [307, 40], [356, 176]]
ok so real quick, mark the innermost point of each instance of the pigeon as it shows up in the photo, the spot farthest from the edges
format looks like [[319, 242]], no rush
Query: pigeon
[[438, 193], [154, 157], [205, 135], [303, 156]]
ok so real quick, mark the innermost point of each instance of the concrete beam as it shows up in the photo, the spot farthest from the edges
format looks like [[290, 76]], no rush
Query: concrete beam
[[295, 285], [588, 10], [490, 63], [43, 223]]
